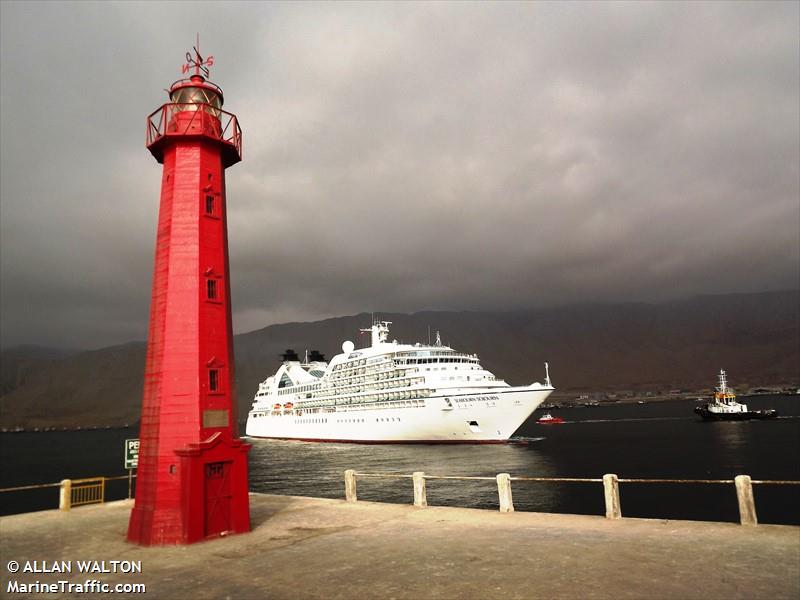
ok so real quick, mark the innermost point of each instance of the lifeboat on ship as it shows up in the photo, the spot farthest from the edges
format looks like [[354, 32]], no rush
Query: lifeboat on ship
[[288, 406], [548, 419]]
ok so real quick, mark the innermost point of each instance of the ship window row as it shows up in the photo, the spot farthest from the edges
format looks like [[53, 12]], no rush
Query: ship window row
[[381, 376], [309, 421], [350, 364], [387, 419], [369, 398], [424, 353], [328, 404], [366, 387], [362, 384], [349, 420], [412, 396], [293, 389], [355, 373], [364, 365], [425, 361], [467, 378], [346, 371], [360, 405], [299, 389], [469, 368]]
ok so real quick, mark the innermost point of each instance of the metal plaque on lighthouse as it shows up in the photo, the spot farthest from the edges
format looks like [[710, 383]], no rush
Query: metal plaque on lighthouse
[[192, 480]]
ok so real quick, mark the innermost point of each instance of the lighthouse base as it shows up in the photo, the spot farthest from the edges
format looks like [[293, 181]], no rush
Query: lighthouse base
[[213, 499]]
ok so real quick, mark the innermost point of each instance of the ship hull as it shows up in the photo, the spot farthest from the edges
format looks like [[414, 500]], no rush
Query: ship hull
[[749, 415], [484, 417]]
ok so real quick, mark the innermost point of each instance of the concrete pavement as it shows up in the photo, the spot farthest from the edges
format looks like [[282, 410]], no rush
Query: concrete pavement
[[318, 548]]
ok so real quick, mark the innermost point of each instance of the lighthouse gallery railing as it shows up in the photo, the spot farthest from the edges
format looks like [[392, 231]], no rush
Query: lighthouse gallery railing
[[205, 120]]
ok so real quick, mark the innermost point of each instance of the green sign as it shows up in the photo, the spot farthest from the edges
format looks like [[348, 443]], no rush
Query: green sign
[[131, 453]]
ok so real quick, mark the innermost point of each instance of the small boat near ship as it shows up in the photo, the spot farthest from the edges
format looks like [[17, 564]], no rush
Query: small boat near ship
[[724, 406], [548, 419]]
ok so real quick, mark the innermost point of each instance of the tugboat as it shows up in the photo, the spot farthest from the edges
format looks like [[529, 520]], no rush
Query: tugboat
[[724, 407], [548, 419]]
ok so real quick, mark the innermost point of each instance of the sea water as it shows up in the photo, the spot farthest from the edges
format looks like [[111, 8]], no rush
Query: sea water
[[653, 440]]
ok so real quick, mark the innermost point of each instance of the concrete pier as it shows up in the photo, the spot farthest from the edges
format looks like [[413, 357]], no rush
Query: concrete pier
[[316, 548]]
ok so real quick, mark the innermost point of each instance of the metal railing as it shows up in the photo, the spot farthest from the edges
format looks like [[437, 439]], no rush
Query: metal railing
[[205, 119], [78, 492], [743, 484], [87, 491]]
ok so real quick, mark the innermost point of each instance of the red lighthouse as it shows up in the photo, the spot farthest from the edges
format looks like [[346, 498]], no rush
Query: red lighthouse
[[192, 477]]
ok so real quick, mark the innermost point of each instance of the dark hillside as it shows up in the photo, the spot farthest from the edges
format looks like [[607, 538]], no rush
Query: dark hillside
[[590, 347]]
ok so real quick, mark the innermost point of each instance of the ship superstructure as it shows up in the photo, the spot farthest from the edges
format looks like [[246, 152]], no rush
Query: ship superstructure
[[391, 392]]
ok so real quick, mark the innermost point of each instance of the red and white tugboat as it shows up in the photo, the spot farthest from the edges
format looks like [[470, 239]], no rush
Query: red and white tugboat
[[724, 407], [548, 419]]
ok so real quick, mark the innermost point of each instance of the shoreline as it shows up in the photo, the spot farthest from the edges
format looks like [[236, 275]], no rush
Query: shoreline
[[562, 399]]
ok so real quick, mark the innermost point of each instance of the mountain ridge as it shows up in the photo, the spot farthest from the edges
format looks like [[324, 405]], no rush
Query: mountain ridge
[[590, 347]]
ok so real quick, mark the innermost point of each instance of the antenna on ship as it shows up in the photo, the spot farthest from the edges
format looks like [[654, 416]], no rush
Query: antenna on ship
[[547, 375], [438, 340]]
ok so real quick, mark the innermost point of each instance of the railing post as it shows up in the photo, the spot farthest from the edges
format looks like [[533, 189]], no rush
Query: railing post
[[504, 492], [611, 492], [65, 495], [747, 503], [350, 485], [420, 495]]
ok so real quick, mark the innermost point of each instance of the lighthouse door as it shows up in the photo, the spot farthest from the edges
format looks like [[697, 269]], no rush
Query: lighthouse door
[[218, 498]]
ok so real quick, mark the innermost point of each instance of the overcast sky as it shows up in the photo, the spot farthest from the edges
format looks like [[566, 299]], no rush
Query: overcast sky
[[402, 157]]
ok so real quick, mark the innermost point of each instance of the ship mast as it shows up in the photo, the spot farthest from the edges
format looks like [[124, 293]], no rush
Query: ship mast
[[379, 331]]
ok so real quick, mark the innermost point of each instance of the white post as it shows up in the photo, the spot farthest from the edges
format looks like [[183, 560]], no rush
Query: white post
[[504, 492], [350, 486], [611, 491], [65, 495], [747, 503], [420, 495]]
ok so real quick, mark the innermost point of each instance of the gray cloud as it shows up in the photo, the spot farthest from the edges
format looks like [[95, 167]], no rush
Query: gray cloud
[[402, 157]]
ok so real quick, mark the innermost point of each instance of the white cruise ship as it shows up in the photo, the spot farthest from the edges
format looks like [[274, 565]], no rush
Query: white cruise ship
[[391, 393]]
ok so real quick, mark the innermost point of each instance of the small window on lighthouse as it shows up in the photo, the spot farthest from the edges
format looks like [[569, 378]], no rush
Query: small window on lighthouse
[[210, 205], [211, 289], [213, 380]]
